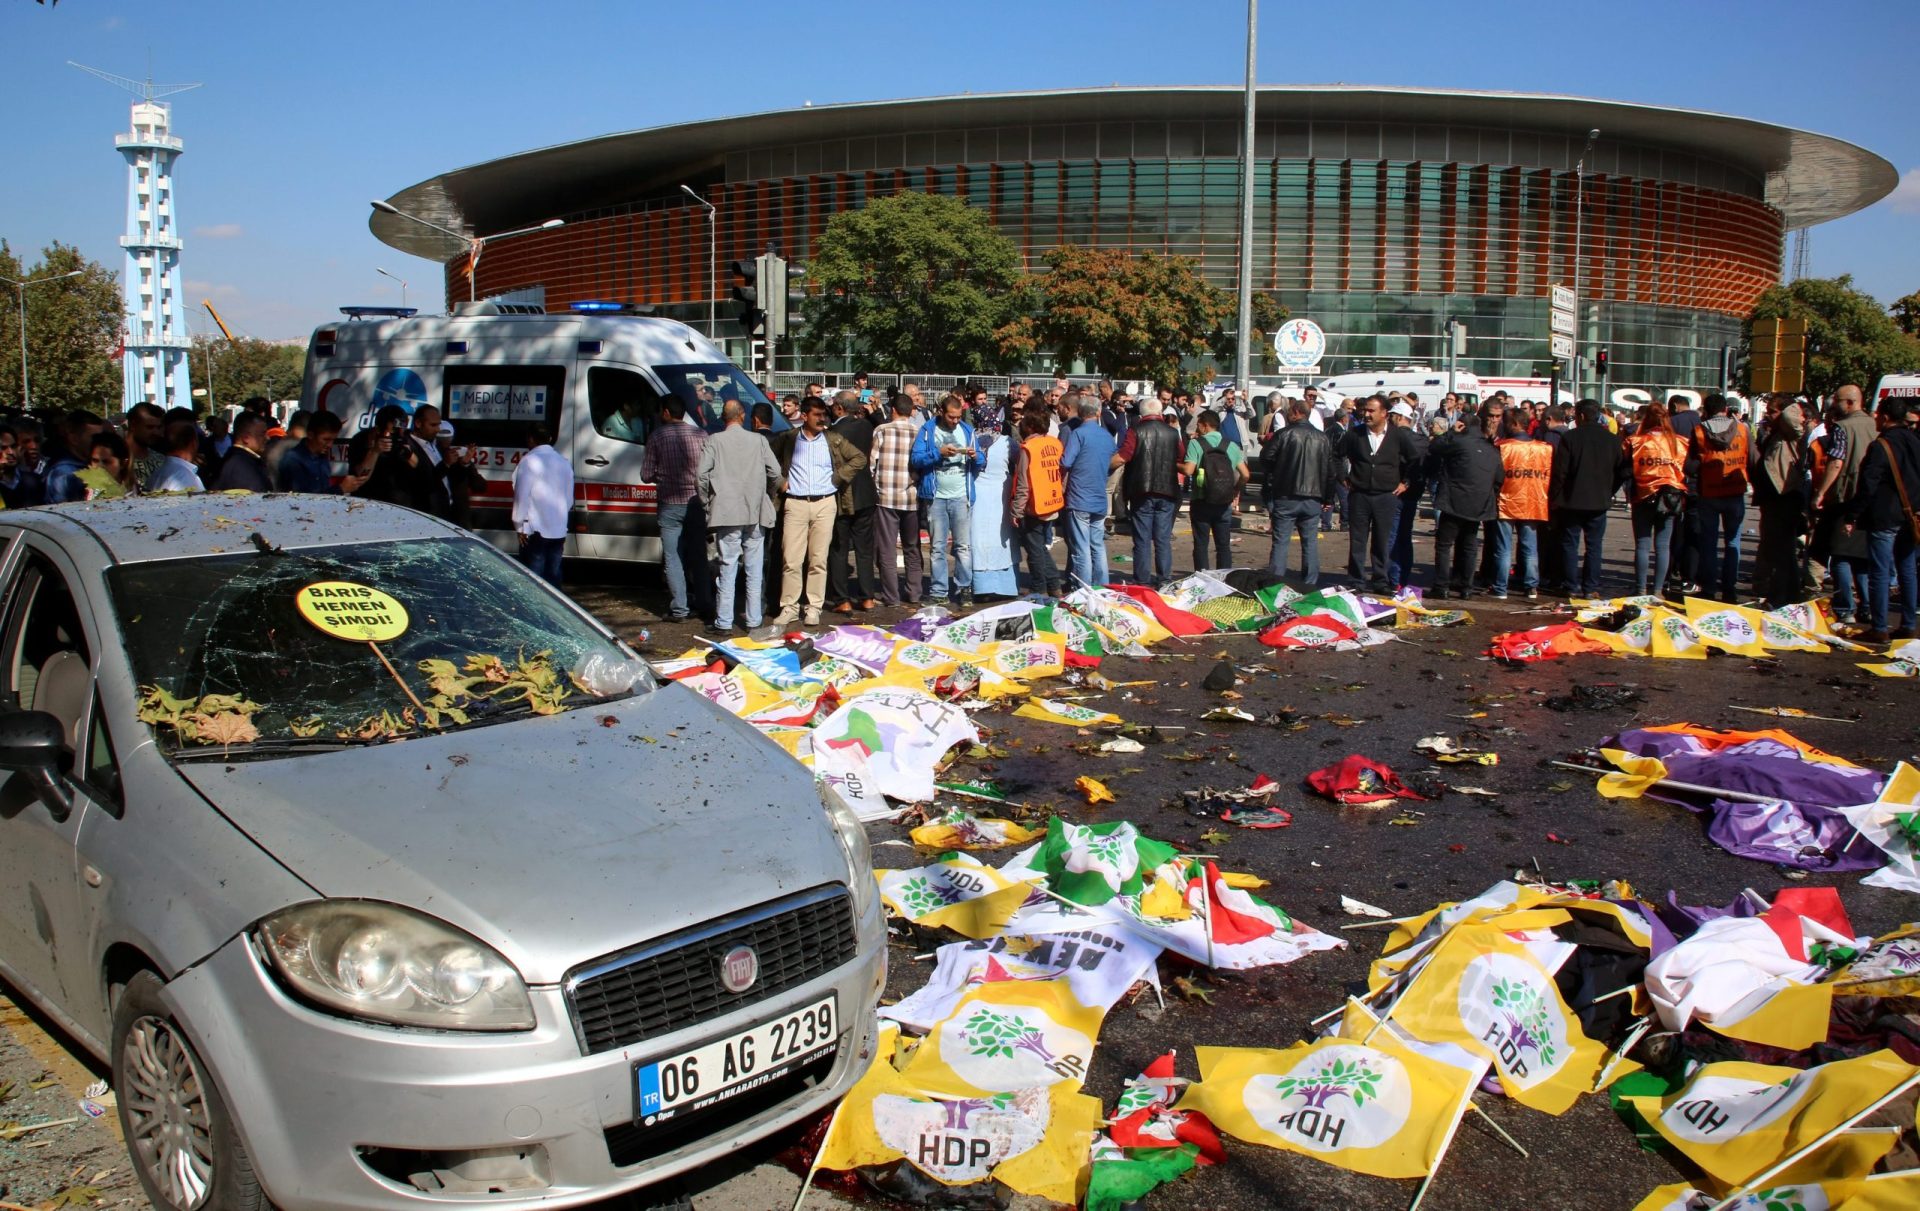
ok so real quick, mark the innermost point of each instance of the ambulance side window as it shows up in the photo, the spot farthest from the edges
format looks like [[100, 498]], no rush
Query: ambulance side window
[[624, 404]]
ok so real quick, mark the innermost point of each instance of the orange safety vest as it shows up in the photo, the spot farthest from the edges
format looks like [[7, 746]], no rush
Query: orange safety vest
[[1659, 461], [1722, 472], [1528, 466], [1046, 483]]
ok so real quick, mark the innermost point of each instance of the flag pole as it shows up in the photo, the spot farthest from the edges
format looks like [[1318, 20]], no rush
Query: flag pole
[[806, 1183], [1499, 1130], [1619, 1053], [1760, 1180], [1453, 1129]]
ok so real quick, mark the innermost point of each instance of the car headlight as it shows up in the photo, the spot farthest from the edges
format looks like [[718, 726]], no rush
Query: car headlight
[[852, 836], [390, 964]]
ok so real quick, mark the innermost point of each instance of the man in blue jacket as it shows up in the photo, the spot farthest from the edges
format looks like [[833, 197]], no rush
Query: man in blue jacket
[[1085, 459], [947, 460]]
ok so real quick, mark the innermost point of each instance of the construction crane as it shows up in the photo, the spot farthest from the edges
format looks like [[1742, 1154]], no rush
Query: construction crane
[[208, 304]]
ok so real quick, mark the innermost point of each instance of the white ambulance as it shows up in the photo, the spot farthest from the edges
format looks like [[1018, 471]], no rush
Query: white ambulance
[[1906, 386], [595, 377], [1428, 384]]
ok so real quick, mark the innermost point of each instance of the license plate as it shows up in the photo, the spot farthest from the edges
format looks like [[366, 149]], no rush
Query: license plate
[[734, 1064]]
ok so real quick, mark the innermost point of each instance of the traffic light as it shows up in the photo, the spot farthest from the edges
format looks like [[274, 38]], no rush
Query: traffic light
[[1600, 364], [746, 296]]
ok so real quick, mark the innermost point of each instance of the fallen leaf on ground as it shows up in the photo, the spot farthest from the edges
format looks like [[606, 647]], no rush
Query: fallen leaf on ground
[[1095, 790], [1456, 849], [1213, 836], [1405, 821], [1122, 745], [1559, 788], [1473, 790], [1193, 990]]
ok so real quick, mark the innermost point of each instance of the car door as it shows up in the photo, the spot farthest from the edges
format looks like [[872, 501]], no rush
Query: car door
[[48, 646], [608, 444]]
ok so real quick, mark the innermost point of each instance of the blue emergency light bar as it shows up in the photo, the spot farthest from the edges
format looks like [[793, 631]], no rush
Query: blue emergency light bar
[[396, 313], [590, 306]]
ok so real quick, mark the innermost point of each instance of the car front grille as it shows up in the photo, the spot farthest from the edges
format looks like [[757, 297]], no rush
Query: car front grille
[[673, 983]]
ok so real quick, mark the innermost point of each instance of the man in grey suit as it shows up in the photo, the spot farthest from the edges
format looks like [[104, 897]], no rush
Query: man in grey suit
[[736, 480]]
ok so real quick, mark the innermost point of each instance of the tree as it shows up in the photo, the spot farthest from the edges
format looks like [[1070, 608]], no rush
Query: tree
[[73, 332], [1850, 339], [1137, 316], [246, 367], [1268, 314], [1906, 313], [917, 281]]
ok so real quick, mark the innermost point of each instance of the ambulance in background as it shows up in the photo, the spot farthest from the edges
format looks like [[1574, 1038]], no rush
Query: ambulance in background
[[1905, 385], [1526, 388], [1428, 384], [596, 377]]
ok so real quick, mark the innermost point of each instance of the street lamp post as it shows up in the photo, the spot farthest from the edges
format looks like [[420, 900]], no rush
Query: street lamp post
[[474, 243], [712, 260], [20, 290], [1579, 213], [396, 277]]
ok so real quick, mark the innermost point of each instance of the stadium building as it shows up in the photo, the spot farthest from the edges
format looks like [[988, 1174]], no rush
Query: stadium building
[[1379, 213]]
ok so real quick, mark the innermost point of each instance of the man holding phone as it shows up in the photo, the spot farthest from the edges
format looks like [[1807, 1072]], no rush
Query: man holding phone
[[947, 460]]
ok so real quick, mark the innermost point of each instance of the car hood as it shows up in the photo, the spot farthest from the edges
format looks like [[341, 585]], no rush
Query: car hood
[[555, 840]]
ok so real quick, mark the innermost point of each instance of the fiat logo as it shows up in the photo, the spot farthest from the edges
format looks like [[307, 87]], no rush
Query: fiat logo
[[739, 969]]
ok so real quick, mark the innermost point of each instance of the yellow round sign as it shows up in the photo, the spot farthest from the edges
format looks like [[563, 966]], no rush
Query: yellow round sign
[[351, 611]]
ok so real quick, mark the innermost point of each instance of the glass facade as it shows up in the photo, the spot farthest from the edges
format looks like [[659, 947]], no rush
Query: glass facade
[[1378, 233]]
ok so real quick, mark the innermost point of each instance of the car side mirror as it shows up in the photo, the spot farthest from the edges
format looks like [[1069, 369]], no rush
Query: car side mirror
[[33, 743]]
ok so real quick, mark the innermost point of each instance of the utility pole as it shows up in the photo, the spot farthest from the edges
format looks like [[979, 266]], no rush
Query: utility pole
[[1579, 302], [1243, 351]]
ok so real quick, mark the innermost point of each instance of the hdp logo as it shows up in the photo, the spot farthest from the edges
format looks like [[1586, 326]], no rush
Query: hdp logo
[[962, 1139], [1012, 1047], [1344, 1096], [1507, 1004], [402, 388]]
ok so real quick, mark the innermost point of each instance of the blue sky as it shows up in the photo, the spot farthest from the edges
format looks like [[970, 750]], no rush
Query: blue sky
[[309, 110]]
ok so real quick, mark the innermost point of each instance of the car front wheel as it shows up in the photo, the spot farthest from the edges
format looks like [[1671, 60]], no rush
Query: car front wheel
[[179, 1134]]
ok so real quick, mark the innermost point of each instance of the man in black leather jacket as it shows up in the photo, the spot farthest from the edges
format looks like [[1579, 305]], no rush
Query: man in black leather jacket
[[1298, 469], [1470, 474]]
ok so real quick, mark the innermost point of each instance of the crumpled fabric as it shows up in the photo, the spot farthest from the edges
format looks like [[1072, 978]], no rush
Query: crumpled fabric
[[1360, 780], [1797, 827], [1543, 643]]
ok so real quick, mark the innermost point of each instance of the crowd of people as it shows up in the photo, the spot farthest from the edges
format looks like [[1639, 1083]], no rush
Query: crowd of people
[[831, 514], [1512, 495]]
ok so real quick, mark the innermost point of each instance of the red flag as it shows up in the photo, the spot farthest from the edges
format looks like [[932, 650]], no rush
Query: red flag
[[1175, 619], [1356, 779]]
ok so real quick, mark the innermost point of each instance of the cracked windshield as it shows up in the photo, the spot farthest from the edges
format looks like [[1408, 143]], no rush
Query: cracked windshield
[[363, 642]]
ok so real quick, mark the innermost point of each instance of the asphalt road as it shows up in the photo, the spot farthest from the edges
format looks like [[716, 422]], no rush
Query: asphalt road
[[1398, 693]]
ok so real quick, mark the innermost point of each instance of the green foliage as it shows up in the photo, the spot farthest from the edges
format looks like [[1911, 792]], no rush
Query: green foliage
[[1906, 313], [246, 367], [1850, 339], [917, 281], [1138, 316], [73, 331]]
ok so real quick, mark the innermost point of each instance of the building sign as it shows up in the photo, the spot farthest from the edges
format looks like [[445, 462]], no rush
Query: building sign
[[1562, 346], [1299, 344], [1563, 299]]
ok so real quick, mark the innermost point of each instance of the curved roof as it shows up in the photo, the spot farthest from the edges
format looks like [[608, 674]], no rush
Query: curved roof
[[1810, 178]]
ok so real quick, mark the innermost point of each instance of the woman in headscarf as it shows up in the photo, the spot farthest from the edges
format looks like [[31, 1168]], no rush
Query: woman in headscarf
[[1780, 489]]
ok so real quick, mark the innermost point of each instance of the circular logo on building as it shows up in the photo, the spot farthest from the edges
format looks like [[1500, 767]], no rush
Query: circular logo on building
[[739, 969], [1299, 344], [401, 388]]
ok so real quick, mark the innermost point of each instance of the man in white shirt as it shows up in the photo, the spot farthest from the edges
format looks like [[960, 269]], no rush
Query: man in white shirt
[[542, 498], [180, 441]]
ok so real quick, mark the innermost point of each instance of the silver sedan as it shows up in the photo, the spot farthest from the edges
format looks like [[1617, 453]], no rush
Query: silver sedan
[[385, 877]]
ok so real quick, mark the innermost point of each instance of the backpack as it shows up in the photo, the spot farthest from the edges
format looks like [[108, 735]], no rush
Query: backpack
[[1217, 480]]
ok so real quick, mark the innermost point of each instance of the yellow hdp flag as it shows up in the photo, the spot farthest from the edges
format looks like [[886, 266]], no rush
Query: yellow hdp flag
[[1674, 637], [958, 830], [959, 892], [1741, 630], [1034, 1140], [1072, 714], [1008, 1035], [1490, 995], [1635, 777], [1793, 1016], [1881, 1192], [1736, 1119], [1041, 656], [1378, 1108], [1504, 896]]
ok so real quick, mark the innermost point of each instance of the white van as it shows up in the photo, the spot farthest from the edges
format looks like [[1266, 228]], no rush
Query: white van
[[1428, 384], [595, 378], [1906, 386]]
